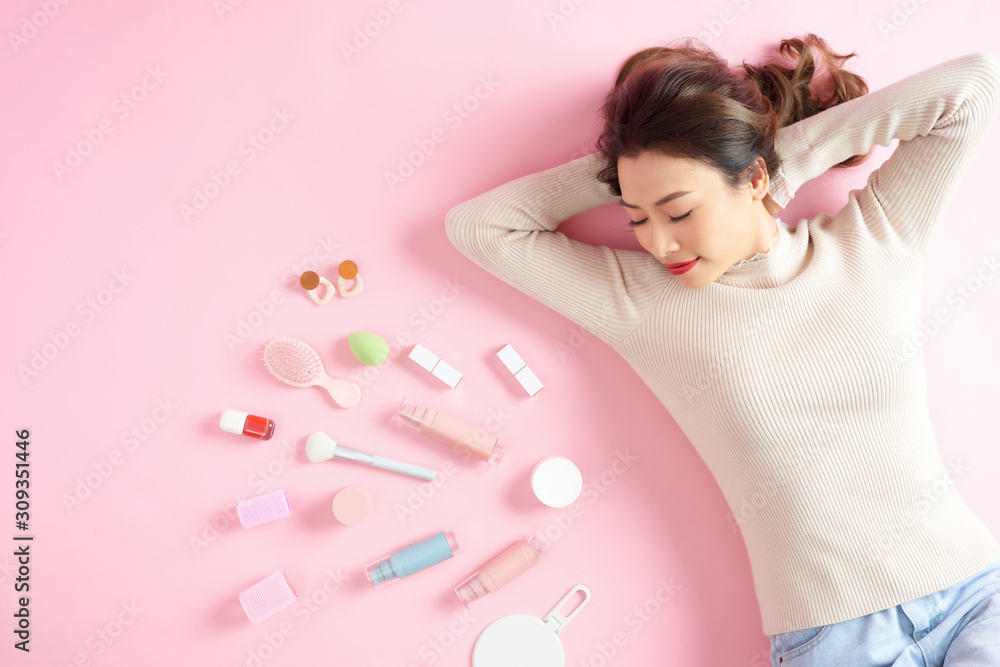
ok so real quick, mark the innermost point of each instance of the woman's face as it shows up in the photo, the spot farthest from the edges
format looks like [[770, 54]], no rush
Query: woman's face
[[707, 220]]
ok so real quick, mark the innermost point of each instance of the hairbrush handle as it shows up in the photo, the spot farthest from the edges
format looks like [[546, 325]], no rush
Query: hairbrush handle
[[344, 393]]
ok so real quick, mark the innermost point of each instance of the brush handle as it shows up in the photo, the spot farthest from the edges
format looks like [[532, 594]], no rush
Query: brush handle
[[344, 393], [405, 468], [351, 454]]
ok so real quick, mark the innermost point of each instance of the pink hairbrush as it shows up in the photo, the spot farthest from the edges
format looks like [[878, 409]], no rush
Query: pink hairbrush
[[295, 363]]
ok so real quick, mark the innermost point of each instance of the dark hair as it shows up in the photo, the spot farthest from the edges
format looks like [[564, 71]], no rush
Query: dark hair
[[687, 102]]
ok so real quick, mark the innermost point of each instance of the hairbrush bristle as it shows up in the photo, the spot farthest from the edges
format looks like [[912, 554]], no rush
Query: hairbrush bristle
[[292, 361]]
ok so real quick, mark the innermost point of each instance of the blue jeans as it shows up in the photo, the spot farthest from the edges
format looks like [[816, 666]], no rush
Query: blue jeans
[[958, 626]]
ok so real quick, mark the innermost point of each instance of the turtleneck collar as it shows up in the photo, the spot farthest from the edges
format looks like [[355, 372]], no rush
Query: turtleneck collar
[[775, 267]]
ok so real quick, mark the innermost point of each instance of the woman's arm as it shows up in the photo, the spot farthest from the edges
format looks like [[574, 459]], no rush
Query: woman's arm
[[940, 116], [511, 232]]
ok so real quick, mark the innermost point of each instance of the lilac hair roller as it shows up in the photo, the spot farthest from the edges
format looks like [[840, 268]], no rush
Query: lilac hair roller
[[267, 596], [261, 509]]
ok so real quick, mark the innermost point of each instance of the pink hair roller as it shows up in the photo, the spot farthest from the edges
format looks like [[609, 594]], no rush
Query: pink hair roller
[[267, 596], [261, 509]]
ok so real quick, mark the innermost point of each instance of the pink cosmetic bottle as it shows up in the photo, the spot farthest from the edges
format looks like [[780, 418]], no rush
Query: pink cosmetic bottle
[[511, 562], [455, 432]]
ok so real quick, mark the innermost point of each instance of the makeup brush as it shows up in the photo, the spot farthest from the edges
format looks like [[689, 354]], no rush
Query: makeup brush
[[321, 447]]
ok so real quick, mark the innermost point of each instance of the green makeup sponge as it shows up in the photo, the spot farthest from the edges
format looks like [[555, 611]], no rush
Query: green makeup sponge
[[369, 348]]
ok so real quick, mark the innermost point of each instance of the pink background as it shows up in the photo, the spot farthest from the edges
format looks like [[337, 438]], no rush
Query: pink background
[[669, 577]]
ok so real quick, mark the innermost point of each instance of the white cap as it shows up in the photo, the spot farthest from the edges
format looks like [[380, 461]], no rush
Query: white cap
[[438, 368], [529, 380], [232, 421], [446, 374], [424, 357], [515, 364], [556, 481], [511, 359]]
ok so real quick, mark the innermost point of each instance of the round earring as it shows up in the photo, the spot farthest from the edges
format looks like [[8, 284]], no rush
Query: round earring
[[347, 271], [310, 281]]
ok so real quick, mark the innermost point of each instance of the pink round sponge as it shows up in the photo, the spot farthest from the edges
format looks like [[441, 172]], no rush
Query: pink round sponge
[[351, 505]]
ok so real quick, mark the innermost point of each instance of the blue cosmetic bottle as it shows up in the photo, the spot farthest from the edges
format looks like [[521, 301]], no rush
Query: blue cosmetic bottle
[[413, 558]]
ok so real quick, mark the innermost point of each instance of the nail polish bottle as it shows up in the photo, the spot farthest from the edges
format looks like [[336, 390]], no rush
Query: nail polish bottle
[[241, 423]]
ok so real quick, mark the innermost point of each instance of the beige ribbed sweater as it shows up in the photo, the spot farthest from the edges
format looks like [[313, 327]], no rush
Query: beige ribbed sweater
[[792, 374]]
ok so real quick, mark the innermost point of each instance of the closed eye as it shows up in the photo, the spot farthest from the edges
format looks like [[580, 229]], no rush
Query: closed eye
[[636, 223]]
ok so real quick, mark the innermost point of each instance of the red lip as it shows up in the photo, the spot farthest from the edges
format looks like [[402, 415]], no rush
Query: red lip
[[681, 267]]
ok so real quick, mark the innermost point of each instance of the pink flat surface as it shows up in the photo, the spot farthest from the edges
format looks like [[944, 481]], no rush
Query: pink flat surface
[[170, 169]]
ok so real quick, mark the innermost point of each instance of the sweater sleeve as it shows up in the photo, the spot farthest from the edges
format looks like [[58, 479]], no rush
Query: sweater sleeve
[[940, 116], [511, 232]]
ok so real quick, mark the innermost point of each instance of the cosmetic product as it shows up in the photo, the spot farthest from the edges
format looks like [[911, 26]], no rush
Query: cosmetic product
[[263, 508], [527, 641], [512, 360], [455, 432], [502, 569], [439, 369], [321, 447], [352, 505], [294, 362], [412, 559], [267, 596], [311, 281], [241, 423], [370, 349], [556, 481]]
